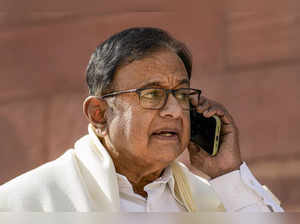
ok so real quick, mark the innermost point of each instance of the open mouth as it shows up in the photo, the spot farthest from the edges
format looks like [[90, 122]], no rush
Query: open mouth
[[166, 135]]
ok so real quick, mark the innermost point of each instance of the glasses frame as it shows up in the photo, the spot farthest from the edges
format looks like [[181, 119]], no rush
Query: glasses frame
[[139, 90]]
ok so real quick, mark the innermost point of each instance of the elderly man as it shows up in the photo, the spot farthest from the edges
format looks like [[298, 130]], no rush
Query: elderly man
[[139, 113]]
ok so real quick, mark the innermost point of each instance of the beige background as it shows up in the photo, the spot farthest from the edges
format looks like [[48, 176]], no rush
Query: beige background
[[246, 55]]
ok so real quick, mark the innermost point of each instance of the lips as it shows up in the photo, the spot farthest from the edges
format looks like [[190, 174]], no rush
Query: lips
[[166, 134]]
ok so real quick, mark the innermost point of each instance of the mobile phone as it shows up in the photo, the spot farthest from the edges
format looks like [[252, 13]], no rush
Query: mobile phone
[[205, 132]]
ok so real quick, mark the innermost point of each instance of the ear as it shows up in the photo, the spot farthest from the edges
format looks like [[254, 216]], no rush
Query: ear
[[94, 110]]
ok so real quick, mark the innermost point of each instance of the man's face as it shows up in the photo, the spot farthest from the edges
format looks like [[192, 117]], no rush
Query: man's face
[[136, 136]]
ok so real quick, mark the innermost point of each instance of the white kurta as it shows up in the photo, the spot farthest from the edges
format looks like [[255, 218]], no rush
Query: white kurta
[[160, 195], [84, 179]]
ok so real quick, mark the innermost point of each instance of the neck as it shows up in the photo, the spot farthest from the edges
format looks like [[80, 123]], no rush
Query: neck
[[138, 174], [138, 177]]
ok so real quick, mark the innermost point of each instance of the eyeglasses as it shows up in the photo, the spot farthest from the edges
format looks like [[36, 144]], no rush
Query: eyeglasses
[[156, 98]]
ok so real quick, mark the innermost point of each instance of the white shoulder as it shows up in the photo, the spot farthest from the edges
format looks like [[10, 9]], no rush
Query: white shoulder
[[37, 189]]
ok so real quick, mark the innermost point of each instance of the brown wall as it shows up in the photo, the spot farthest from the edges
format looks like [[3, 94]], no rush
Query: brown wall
[[246, 55]]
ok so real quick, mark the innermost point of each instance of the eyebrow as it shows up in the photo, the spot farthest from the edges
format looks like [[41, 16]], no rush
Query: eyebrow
[[151, 84]]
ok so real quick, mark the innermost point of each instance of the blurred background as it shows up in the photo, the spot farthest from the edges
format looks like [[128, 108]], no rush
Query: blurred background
[[246, 55]]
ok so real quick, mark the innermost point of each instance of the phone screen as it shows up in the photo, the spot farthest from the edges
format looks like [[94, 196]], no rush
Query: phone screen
[[203, 132]]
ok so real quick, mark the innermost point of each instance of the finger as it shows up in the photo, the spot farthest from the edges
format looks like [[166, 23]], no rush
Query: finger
[[214, 110], [209, 112], [209, 108], [202, 100], [227, 129], [203, 107], [227, 126], [224, 116], [196, 103], [220, 112]]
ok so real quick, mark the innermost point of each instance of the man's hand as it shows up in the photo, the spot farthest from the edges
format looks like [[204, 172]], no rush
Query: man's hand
[[228, 158]]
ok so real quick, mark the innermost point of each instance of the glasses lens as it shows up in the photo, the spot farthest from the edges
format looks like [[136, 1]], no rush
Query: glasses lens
[[152, 98], [185, 96]]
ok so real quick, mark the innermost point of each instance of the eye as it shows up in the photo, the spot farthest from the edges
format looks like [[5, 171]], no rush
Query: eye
[[183, 95], [152, 94]]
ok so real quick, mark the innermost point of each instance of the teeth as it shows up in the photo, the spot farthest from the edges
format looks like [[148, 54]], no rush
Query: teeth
[[166, 134]]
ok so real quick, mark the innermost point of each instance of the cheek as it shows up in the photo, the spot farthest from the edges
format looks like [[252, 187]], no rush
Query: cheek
[[126, 123], [187, 130], [138, 123], [129, 128]]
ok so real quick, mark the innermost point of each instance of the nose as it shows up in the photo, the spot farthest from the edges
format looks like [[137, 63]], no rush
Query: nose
[[172, 108]]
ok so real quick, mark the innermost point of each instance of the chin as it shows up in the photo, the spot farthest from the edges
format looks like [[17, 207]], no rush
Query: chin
[[165, 153], [170, 156]]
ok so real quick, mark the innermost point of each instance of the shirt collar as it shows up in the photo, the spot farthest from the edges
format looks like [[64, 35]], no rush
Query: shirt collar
[[166, 179]]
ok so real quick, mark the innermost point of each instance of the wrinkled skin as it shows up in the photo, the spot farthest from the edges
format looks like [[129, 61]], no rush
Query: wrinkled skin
[[126, 129], [228, 158]]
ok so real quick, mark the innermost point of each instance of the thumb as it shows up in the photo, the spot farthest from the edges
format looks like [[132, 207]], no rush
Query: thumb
[[195, 149]]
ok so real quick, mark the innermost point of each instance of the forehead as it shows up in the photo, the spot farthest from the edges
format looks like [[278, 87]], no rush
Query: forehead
[[162, 66]]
